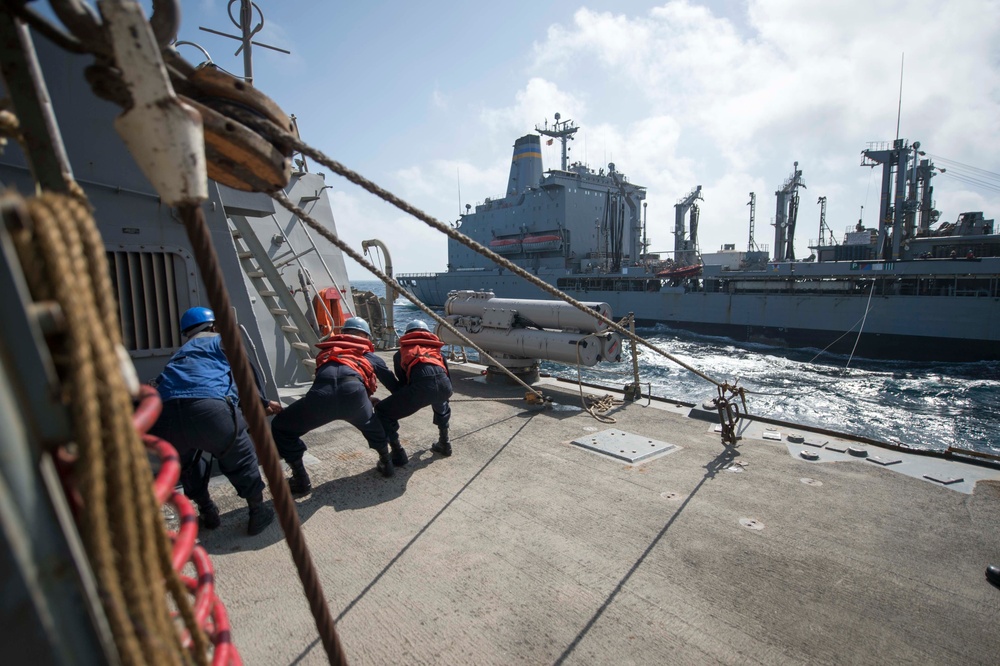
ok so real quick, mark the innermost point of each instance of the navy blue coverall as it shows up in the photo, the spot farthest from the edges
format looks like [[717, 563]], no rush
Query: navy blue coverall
[[428, 384], [337, 393], [201, 413]]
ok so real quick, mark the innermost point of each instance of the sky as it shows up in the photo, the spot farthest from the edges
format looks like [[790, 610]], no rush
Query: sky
[[426, 99]]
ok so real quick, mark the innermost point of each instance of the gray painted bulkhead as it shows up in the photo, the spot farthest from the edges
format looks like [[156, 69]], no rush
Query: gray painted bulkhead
[[137, 226]]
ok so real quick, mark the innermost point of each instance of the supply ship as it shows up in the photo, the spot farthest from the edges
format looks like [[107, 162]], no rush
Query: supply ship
[[912, 289], [649, 531]]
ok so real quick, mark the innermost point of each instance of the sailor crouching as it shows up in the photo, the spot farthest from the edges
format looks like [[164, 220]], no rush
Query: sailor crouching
[[201, 413], [422, 374], [347, 374]]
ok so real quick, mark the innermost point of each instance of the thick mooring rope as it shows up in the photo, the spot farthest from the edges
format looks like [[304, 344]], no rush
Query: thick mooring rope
[[121, 523], [260, 431]]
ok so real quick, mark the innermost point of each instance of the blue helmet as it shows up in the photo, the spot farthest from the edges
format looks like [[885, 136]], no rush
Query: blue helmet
[[195, 317], [357, 324], [416, 325]]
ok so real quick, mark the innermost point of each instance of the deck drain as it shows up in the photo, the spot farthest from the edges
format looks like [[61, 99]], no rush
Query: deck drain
[[810, 482], [668, 495], [751, 524], [623, 445]]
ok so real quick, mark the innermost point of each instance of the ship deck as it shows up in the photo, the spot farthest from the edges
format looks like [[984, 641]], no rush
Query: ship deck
[[525, 548]]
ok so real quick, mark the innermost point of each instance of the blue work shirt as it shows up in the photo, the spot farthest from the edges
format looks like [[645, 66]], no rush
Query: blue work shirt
[[199, 369]]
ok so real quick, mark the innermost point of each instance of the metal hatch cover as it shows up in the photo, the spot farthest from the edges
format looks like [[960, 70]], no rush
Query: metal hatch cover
[[624, 445]]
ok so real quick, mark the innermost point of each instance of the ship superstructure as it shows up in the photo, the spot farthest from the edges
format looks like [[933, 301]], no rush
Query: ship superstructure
[[906, 290]]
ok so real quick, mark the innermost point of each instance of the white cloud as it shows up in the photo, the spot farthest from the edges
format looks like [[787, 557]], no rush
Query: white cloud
[[439, 100], [537, 101], [695, 98], [681, 95]]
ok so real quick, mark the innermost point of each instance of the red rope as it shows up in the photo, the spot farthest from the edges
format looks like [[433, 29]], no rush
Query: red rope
[[209, 611]]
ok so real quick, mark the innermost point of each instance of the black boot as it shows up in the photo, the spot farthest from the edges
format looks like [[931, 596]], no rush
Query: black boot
[[299, 482], [993, 575], [208, 514], [399, 458], [442, 446], [384, 464], [260, 515]]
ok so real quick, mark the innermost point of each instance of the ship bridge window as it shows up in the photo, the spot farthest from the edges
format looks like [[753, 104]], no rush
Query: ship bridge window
[[152, 290]]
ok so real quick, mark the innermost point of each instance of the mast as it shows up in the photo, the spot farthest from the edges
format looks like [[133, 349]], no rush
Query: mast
[[562, 130], [247, 31]]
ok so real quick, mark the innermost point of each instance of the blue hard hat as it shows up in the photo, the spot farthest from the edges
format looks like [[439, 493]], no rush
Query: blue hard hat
[[357, 324], [196, 316], [416, 325]]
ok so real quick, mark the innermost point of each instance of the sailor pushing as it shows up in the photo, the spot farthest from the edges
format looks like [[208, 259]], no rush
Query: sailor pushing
[[347, 374], [201, 413], [423, 378]]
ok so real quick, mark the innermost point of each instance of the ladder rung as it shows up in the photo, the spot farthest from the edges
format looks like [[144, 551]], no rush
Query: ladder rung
[[255, 274], [236, 233], [244, 255], [290, 329], [304, 346], [309, 362], [279, 311], [267, 293]]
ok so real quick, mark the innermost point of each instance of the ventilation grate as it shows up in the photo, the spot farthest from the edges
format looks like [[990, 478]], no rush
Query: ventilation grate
[[146, 285]]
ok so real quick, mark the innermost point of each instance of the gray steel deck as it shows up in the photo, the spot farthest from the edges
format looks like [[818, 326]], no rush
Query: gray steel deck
[[525, 548]]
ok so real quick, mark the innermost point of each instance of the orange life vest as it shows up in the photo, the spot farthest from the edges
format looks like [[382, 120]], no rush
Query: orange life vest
[[349, 350], [420, 347]]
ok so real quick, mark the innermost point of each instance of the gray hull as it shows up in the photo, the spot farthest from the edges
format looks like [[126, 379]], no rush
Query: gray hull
[[903, 291], [896, 327]]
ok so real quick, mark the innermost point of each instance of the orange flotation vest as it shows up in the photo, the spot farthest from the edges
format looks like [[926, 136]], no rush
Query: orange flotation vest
[[420, 347], [349, 350]]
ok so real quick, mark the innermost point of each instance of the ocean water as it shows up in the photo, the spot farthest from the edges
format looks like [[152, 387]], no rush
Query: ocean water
[[920, 405]]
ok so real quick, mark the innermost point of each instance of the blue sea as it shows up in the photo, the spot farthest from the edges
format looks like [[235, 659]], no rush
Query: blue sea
[[920, 405]]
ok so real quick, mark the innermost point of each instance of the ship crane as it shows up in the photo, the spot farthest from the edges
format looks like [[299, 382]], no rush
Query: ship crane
[[824, 228], [562, 130], [897, 211], [752, 244], [686, 245], [786, 215]]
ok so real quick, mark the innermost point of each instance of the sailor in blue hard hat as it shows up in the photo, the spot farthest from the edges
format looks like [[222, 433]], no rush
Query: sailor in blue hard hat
[[201, 413], [422, 373], [347, 374]]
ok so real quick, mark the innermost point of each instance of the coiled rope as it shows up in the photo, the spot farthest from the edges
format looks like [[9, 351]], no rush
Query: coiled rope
[[121, 525]]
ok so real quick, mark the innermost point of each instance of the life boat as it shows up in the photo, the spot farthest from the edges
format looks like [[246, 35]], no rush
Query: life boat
[[680, 272], [542, 243], [505, 245]]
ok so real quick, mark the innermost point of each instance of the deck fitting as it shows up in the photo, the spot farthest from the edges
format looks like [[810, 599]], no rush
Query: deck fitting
[[624, 445]]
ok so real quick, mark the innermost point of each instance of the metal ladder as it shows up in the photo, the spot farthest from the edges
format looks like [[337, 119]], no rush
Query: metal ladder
[[268, 283]]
